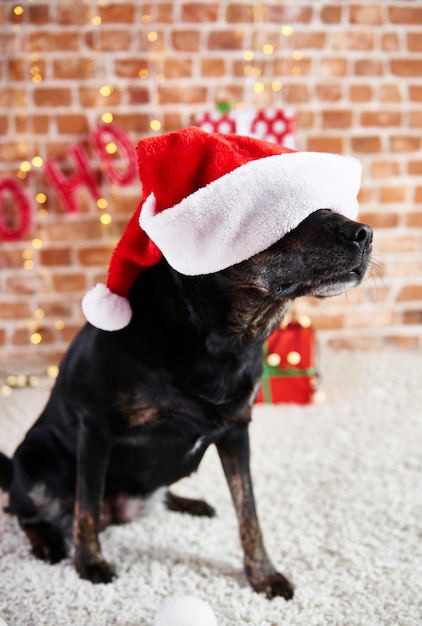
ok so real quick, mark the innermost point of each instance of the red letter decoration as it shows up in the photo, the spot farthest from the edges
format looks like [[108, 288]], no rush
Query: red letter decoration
[[66, 187], [23, 209], [105, 134]]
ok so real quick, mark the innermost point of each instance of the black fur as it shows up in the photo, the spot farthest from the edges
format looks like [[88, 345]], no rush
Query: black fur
[[135, 410]]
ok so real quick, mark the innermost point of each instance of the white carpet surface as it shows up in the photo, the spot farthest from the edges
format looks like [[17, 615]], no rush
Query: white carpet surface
[[339, 493]]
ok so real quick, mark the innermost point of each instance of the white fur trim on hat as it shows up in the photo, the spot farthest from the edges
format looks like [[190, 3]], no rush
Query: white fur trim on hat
[[106, 310], [250, 208]]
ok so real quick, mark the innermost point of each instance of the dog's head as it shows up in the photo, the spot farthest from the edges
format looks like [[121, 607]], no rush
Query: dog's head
[[325, 255]]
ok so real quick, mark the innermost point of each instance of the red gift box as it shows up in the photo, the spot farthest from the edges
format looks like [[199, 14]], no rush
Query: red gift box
[[289, 365]]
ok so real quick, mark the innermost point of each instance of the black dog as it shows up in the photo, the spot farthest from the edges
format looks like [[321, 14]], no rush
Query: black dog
[[135, 410]]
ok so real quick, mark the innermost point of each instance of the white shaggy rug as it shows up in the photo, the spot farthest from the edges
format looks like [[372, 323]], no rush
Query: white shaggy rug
[[339, 492]]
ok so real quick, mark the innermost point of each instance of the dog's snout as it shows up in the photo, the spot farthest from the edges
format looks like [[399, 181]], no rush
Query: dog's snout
[[359, 233]]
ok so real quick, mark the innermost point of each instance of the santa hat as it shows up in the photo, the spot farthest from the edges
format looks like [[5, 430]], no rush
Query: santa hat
[[212, 200]]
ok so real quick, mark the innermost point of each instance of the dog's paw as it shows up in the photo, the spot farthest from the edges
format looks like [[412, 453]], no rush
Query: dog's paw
[[274, 585], [198, 508], [97, 572]]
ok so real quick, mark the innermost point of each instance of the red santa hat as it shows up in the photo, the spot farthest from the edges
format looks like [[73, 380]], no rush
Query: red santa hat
[[211, 200]]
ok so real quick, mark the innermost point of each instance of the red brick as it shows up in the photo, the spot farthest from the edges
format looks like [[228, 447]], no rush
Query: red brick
[[177, 68], [98, 255], [10, 258], [331, 14], [68, 230], [379, 220], [39, 124], [160, 12], [302, 40], [305, 119], [329, 92], [4, 124], [91, 97], [412, 317], [415, 168], [111, 40], [393, 194], [56, 256], [20, 68], [333, 66], [414, 220], [384, 169], [406, 67], [52, 96], [366, 14], [74, 124], [369, 67], [38, 13], [397, 243], [172, 121], [403, 143], [418, 195], [72, 281], [10, 97], [390, 42], [14, 310], [354, 40], [213, 67], [336, 119], [193, 95], [201, 12], [380, 118], [226, 40], [287, 14], [288, 67], [390, 93], [28, 283], [361, 93], [185, 40], [76, 68], [325, 144], [366, 195], [56, 309], [410, 292], [405, 14], [415, 93], [138, 94], [129, 68], [414, 42], [135, 122], [67, 15], [415, 119], [296, 93], [40, 41], [117, 13], [9, 151], [366, 144]]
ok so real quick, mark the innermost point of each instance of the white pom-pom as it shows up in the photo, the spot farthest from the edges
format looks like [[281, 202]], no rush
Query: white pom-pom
[[185, 611], [106, 310]]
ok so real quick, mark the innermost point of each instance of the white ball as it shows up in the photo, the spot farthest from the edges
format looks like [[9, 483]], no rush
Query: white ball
[[185, 611]]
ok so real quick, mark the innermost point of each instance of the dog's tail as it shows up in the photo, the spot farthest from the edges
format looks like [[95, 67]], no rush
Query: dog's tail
[[6, 471]]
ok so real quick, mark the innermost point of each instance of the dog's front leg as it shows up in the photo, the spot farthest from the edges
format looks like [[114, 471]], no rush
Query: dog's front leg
[[233, 449], [93, 454]]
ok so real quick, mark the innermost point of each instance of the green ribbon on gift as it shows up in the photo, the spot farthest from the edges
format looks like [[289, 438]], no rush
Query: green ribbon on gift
[[271, 371]]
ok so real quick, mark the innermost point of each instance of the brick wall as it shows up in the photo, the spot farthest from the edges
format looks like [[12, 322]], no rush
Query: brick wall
[[352, 72]]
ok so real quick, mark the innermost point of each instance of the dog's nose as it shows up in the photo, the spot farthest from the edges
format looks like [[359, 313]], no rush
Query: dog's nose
[[359, 233]]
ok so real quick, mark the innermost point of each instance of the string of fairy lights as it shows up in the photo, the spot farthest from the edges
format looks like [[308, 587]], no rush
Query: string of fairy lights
[[151, 70]]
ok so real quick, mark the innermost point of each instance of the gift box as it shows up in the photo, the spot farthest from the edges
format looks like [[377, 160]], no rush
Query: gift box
[[275, 125], [289, 365]]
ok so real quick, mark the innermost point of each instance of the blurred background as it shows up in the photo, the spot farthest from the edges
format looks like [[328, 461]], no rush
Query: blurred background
[[81, 82]]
